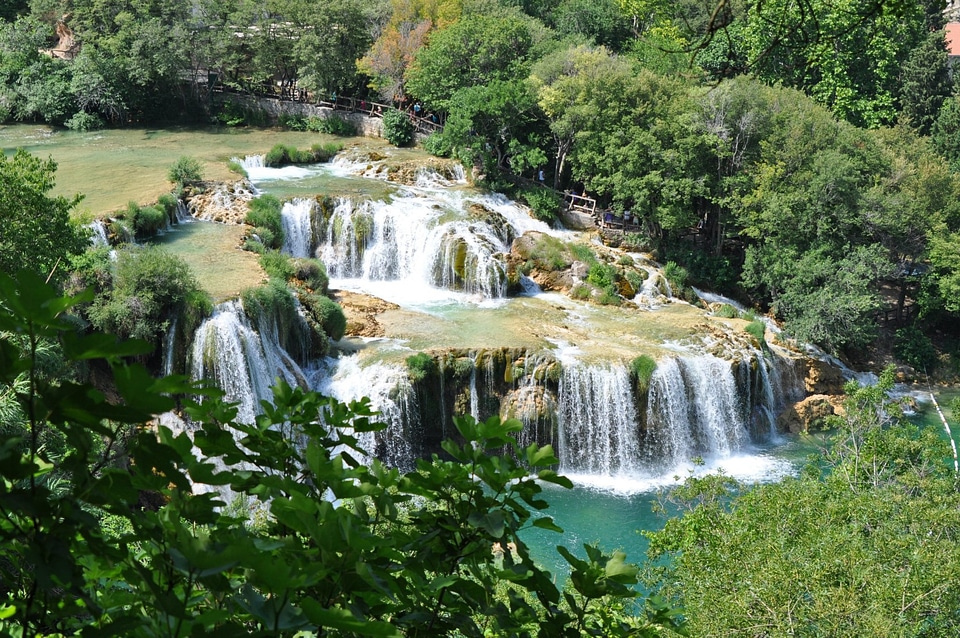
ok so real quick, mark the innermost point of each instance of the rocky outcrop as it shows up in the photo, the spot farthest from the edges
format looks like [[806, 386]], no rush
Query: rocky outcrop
[[361, 312], [823, 378], [224, 202], [811, 414]]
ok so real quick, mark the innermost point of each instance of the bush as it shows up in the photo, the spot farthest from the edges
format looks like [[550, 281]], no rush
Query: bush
[[333, 125], [397, 128], [311, 272], [420, 366], [544, 203], [726, 311], [636, 242], [274, 306], [168, 203], [265, 213], [185, 170], [328, 314], [150, 287], [84, 121], [642, 369], [676, 275], [437, 144], [602, 275], [757, 329], [145, 221], [277, 265], [583, 253], [913, 347], [281, 154]]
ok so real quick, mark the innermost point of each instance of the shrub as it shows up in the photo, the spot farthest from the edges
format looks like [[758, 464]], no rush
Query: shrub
[[420, 366], [149, 221], [397, 128], [150, 286], [311, 272], [637, 242], [333, 125], [437, 144], [84, 121], [625, 260], [727, 311], [757, 329], [265, 213], [602, 275], [676, 275], [911, 346], [544, 203], [609, 296], [292, 122], [328, 314], [277, 265], [168, 203], [641, 369], [281, 154], [184, 170], [635, 278], [274, 306]]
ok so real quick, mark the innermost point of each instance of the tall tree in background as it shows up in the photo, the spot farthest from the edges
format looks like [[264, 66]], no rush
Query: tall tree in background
[[35, 228]]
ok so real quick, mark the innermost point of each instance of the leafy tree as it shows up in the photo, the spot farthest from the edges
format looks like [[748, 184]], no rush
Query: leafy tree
[[128, 545], [35, 229], [925, 83], [860, 543], [185, 169], [397, 128], [472, 52], [601, 21]]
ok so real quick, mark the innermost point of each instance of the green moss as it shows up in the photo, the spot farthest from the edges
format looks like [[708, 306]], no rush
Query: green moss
[[757, 329], [642, 369], [420, 366]]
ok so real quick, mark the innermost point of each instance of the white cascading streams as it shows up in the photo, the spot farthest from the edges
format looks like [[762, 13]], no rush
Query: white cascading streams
[[98, 234], [598, 425], [244, 363], [169, 346], [390, 393], [694, 409], [410, 239], [297, 235]]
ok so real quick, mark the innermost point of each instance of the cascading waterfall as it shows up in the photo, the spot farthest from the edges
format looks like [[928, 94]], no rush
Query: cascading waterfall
[[694, 409], [244, 363], [410, 239], [98, 234], [169, 346], [598, 426], [297, 235], [390, 393]]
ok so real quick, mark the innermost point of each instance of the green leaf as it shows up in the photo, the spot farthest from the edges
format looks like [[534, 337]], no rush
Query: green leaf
[[552, 477], [490, 522], [343, 620], [547, 523]]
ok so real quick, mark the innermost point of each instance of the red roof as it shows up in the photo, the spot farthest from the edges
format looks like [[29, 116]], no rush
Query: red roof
[[953, 38]]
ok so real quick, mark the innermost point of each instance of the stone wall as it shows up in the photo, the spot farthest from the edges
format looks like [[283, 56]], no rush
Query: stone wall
[[274, 108]]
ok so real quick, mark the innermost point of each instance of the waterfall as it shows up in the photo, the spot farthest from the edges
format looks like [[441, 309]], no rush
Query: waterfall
[[409, 239], [242, 362], [98, 234], [694, 409], [183, 213], [169, 346], [598, 421], [390, 393], [297, 236]]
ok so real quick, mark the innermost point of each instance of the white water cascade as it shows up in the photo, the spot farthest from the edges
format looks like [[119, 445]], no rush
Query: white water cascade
[[390, 393], [244, 363], [694, 409], [297, 236], [409, 240], [98, 234], [598, 421]]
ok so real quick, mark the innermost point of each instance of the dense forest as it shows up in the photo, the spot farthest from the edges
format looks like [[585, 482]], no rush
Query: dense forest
[[802, 157]]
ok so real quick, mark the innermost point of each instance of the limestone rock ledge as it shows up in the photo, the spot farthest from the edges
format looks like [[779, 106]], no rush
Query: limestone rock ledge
[[811, 414]]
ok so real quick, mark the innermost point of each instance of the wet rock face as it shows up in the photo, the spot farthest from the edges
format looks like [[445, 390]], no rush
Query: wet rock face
[[810, 415], [823, 378]]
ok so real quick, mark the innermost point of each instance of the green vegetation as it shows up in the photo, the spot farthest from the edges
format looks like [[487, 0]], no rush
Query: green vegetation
[[642, 369], [121, 542], [281, 155], [819, 549], [148, 288], [35, 229], [264, 216], [184, 170], [757, 329], [544, 203], [312, 273], [146, 221], [397, 128], [420, 366]]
